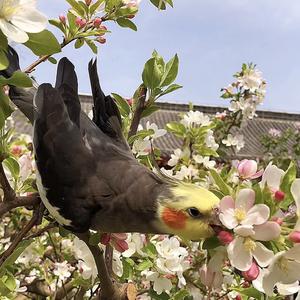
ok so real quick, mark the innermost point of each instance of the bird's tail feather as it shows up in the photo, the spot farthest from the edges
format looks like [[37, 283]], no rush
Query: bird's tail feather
[[67, 84], [105, 111]]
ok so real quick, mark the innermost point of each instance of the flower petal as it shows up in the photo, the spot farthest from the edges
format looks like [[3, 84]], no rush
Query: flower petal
[[272, 177], [270, 279], [244, 230], [267, 232], [294, 253], [288, 289], [226, 203], [239, 257], [245, 199], [295, 190], [228, 219], [262, 255], [12, 32], [30, 20], [257, 215]]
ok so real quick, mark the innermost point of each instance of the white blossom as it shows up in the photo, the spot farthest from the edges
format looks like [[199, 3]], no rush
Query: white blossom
[[210, 140], [236, 141], [175, 157], [205, 161], [141, 147], [62, 270], [195, 118], [135, 243], [18, 17], [157, 132], [185, 172]]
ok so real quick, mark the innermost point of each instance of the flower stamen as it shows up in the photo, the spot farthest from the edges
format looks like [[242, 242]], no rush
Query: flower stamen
[[249, 245], [240, 215]]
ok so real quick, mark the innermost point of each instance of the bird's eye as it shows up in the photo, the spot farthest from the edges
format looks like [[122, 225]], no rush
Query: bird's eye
[[194, 212]]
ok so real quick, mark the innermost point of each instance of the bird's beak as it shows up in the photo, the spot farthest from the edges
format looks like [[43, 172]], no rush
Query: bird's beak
[[214, 220]]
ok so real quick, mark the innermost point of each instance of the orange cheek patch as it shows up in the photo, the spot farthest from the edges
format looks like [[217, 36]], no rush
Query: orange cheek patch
[[173, 218]]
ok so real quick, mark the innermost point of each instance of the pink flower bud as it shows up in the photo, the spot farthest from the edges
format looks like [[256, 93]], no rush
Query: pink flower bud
[[120, 245], [105, 238], [295, 237], [97, 22], [247, 168], [101, 40], [278, 220], [80, 22], [225, 237], [16, 150], [129, 101], [62, 19], [279, 196], [130, 16], [252, 273], [238, 297], [88, 2], [102, 27]]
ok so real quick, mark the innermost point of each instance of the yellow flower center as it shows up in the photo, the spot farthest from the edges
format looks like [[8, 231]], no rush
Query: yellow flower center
[[9, 8], [283, 264], [240, 215], [249, 245]]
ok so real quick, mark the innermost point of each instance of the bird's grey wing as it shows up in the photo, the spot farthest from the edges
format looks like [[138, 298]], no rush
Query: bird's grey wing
[[66, 167]]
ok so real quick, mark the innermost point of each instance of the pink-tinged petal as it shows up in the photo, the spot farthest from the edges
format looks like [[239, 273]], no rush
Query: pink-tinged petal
[[262, 255], [258, 174], [238, 255], [245, 199], [119, 236], [252, 273], [272, 177], [228, 219], [120, 245], [226, 203], [267, 232], [247, 168], [257, 215], [244, 230]]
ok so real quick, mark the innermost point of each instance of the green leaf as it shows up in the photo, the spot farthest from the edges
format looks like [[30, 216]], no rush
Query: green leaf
[[211, 243], [77, 7], [171, 71], [92, 45], [170, 89], [72, 24], [13, 257], [58, 24], [5, 108], [52, 60], [285, 186], [7, 284], [18, 78], [4, 63], [258, 194], [151, 74], [124, 22], [13, 167], [144, 265], [149, 111], [224, 188], [95, 238], [150, 250], [63, 231], [140, 135], [3, 41], [112, 4], [176, 128], [95, 6], [122, 104], [160, 4], [79, 43], [181, 295], [43, 43], [250, 292]]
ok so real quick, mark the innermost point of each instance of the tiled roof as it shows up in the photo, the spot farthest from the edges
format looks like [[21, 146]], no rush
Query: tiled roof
[[168, 112]]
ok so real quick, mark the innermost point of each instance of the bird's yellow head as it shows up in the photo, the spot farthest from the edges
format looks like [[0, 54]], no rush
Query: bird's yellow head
[[188, 211]]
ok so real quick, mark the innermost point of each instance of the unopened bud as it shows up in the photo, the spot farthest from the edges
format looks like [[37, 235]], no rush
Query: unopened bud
[[130, 16], [252, 273], [295, 237], [277, 220], [238, 297], [130, 101], [225, 237], [80, 22], [88, 2], [105, 238], [279, 196], [97, 22], [62, 18], [101, 40]]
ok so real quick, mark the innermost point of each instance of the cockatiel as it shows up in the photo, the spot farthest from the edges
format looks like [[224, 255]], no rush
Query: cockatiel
[[87, 176]]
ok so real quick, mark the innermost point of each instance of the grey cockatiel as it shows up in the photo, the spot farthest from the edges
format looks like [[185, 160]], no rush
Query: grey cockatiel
[[86, 174]]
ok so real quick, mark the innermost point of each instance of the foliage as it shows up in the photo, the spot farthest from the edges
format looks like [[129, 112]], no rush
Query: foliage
[[51, 261]]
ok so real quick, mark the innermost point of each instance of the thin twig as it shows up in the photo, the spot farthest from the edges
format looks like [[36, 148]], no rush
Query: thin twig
[[31, 200], [138, 111], [9, 193], [42, 230], [33, 221], [109, 252]]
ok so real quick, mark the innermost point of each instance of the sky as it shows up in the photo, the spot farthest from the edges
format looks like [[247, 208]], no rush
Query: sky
[[212, 38]]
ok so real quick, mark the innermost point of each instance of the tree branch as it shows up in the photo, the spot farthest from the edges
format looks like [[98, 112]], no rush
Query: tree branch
[[32, 200], [9, 193], [138, 111], [33, 221]]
